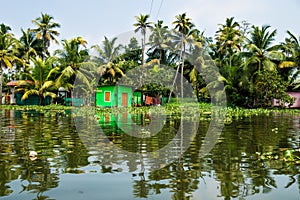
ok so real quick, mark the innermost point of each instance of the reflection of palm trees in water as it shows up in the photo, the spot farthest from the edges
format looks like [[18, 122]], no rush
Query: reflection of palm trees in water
[[39, 175], [10, 127]]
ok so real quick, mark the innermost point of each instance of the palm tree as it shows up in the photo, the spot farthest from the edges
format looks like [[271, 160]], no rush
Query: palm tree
[[184, 27], [291, 48], [289, 68], [71, 59], [111, 72], [142, 26], [42, 73], [236, 80], [7, 51], [197, 54], [229, 39], [45, 31], [107, 60], [262, 55], [108, 51], [29, 47], [159, 40]]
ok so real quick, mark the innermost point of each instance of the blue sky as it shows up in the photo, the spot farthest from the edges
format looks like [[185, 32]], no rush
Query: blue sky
[[94, 19]]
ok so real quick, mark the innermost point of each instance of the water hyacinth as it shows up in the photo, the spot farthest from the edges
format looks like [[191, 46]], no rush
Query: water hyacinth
[[174, 109]]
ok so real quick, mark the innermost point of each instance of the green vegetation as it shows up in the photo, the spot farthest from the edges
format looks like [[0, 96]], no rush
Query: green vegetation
[[204, 110], [254, 68]]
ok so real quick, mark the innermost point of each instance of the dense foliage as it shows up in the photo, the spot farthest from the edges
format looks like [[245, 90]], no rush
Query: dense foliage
[[254, 68]]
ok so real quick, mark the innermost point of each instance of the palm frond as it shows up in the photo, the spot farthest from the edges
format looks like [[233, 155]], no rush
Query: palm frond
[[275, 55], [46, 85], [29, 93], [52, 71], [49, 94], [287, 64]]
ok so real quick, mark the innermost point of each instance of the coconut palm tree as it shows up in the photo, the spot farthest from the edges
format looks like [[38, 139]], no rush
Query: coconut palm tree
[[197, 58], [159, 41], [107, 60], [42, 73], [229, 40], [8, 56], [29, 47], [289, 68], [261, 54], [46, 31], [73, 63], [291, 48], [142, 26], [184, 26], [108, 51]]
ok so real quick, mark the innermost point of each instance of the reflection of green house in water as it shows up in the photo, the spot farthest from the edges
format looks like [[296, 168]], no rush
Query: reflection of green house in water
[[112, 119], [115, 123], [114, 96]]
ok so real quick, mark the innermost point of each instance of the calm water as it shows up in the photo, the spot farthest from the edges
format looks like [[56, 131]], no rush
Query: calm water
[[76, 162]]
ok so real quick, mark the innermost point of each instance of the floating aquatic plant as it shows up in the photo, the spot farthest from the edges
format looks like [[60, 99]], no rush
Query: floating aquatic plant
[[203, 111]]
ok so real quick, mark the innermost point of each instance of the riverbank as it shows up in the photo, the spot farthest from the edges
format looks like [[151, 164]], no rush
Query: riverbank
[[205, 110]]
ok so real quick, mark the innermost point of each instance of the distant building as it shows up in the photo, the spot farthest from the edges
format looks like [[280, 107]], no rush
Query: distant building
[[296, 95], [15, 97], [114, 96]]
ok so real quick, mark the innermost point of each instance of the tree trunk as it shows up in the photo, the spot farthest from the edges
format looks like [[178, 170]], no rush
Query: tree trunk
[[173, 83], [180, 58], [1, 77], [143, 62], [41, 99], [182, 67], [143, 49]]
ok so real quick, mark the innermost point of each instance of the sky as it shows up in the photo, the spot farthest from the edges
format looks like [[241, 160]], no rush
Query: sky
[[94, 19]]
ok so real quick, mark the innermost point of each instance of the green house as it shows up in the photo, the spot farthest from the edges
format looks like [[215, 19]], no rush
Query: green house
[[113, 96]]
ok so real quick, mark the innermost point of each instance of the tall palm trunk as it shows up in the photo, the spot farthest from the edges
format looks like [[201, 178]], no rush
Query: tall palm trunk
[[143, 49], [143, 63], [40, 85], [1, 77], [143, 60], [182, 68], [160, 55], [176, 74]]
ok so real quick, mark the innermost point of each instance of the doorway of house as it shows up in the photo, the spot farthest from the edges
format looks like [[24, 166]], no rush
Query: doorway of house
[[124, 99]]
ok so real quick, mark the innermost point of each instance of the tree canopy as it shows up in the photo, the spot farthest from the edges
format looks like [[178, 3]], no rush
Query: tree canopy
[[246, 56]]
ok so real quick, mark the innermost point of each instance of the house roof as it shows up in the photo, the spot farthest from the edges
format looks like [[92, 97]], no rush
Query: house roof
[[19, 83]]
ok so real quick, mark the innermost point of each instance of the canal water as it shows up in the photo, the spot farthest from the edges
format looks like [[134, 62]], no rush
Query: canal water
[[254, 158]]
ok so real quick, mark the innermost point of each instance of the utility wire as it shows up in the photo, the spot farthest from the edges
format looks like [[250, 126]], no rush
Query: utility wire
[[159, 9], [151, 7]]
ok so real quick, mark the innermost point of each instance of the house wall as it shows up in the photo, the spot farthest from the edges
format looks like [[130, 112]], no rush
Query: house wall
[[31, 100], [100, 94], [115, 95], [124, 89], [297, 101]]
